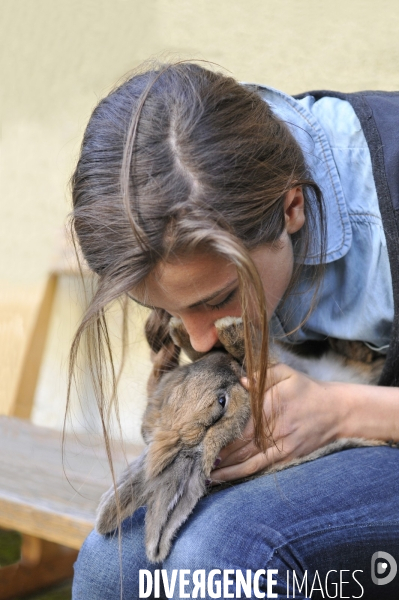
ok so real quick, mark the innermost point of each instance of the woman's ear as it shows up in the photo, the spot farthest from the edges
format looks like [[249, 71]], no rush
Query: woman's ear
[[294, 209]]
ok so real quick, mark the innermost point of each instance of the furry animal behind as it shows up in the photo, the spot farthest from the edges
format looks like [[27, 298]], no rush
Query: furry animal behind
[[193, 412]]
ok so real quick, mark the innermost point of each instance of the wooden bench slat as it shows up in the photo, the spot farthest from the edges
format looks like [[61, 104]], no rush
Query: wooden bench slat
[[35, 495], [66, 529]]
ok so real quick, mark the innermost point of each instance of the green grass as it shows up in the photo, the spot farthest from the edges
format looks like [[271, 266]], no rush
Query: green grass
[[10, 547], [10, 551]]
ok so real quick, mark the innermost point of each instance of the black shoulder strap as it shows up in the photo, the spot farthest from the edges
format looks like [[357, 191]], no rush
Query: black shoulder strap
[[378, 113]]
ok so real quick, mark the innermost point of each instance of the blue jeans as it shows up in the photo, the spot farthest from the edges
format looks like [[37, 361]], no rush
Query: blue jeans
[[316, 525]]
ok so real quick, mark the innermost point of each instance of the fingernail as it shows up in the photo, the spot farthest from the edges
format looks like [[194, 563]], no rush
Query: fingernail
[[208, 482], [217, 462]]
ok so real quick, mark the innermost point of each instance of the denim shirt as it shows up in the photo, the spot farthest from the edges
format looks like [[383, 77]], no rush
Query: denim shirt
[[355, 301]]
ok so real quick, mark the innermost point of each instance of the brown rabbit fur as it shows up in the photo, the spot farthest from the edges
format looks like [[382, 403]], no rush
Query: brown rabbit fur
[[193, 411]]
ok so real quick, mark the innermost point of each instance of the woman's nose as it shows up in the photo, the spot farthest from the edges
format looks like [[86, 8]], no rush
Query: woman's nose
[[203, 334]]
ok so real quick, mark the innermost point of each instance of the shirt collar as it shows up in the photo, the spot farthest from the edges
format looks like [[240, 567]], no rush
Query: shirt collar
[[319, 159]]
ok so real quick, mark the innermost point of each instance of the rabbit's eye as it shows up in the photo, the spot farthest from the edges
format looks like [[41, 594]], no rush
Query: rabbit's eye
[[222, 399]]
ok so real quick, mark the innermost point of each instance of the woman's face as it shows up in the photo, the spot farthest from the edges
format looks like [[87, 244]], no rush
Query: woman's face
[[202, 288]]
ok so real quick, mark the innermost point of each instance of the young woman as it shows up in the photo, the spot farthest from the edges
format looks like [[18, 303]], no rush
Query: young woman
[[201, 198]]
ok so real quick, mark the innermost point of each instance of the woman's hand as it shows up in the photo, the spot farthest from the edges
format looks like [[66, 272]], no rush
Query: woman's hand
[[305, 415]]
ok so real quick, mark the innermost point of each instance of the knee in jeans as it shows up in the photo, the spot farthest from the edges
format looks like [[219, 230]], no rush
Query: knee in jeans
[[101, 565], [97, 565]]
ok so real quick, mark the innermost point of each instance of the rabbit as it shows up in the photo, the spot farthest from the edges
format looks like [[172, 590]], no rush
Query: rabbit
[[192, 413]]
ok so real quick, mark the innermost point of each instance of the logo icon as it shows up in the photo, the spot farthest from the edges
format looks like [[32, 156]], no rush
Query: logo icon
[[383, 568]]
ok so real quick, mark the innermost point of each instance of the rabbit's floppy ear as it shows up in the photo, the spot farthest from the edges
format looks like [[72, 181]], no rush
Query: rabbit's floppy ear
[[172, 496], [231, 335], [162, 451], [113, 508]]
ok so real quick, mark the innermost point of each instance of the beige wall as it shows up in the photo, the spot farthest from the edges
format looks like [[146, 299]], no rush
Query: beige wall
[[60, 56]]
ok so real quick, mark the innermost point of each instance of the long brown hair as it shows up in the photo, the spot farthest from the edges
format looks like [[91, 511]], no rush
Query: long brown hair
[[176, 159]]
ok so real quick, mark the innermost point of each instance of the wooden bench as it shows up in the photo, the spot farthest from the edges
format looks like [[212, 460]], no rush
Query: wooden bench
[[53, 508]]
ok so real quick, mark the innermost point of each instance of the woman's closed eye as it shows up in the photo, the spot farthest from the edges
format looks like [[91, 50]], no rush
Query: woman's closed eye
[[221, 303]]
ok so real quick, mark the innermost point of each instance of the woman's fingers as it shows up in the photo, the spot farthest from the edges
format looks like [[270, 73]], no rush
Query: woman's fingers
[[242, 458], [237, 445], [238, 453], [275, 374], [253, 465], [299, 420], [243, 448]]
